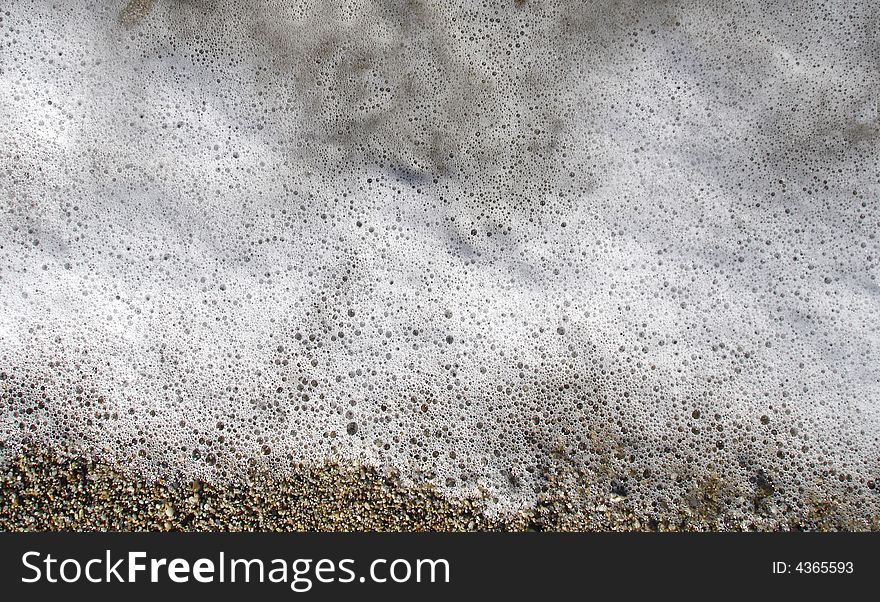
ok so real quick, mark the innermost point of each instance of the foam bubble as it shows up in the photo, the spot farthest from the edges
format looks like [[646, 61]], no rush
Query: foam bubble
[[472, 241]]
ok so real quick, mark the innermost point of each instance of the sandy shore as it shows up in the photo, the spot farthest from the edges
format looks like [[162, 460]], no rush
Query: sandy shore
[[45, 491]]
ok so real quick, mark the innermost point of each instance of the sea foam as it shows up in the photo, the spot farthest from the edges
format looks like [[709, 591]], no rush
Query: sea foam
[[469, 241]]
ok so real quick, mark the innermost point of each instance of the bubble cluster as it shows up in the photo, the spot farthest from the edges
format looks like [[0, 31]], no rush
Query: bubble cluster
[[470, 241]]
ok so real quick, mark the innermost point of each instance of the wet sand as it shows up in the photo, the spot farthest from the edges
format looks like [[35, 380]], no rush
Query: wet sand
[[46, 491]]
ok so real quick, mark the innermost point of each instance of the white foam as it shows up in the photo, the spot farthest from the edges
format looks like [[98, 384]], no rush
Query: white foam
[[460, 241]]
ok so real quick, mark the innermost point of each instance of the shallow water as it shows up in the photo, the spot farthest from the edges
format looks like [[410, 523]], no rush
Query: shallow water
[[475, 243]]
